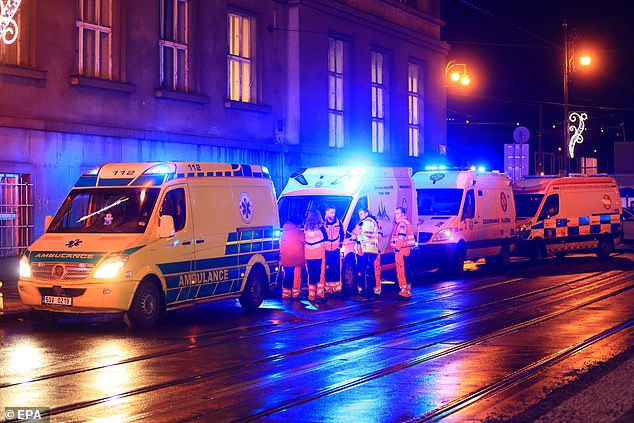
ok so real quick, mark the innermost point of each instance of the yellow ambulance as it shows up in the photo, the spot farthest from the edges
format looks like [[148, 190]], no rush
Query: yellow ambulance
[[557, 215], [144, 238]]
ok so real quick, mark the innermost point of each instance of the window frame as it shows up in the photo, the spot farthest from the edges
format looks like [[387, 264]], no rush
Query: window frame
[[98, 28], [378, 89], [415, 91], [336, 96], [180, 80], [240, 59]]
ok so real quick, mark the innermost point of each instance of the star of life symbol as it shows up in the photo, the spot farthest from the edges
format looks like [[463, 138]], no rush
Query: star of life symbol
[[246, 207], [73, 243], [503, 201]]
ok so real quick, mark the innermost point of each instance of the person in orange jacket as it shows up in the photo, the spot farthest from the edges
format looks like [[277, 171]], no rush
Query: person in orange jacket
[[314, 252], [292, 257], [402, 241], [332, 244]]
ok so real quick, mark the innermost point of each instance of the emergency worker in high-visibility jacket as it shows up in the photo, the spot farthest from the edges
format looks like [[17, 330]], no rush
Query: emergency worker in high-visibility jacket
[[402, 241], [377, 263], [314, 252], [292, 257], [332, 244], [368, 240]]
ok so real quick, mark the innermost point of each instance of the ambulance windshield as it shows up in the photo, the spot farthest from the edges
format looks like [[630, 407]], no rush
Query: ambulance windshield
[[526, 205], [299, 205], [105, 210], [439, 201]]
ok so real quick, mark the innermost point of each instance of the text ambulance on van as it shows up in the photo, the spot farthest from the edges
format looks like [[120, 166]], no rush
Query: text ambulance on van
[[464, 214], [143, 238], [349, 189], [556, 215]]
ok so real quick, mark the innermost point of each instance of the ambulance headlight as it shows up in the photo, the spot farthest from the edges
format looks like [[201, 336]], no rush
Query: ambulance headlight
[[111, 267], [443, 235], [25, 268]]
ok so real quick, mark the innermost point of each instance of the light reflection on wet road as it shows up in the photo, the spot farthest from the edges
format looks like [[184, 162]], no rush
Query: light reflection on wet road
[[457, 349]]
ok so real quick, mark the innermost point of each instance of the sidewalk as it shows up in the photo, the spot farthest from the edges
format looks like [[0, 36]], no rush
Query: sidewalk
[[11, 307]]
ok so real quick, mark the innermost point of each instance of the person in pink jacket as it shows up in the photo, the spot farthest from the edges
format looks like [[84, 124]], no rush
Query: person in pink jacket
[[292, 257]]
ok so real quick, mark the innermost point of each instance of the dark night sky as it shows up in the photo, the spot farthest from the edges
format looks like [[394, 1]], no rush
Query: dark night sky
[[514, 52]]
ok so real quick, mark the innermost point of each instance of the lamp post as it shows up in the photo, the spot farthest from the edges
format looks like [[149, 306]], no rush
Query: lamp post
[[569, 67], [567, 70]]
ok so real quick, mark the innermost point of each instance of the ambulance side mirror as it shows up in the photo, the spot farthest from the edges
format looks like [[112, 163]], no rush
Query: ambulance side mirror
[[47, 222], [166, 226]]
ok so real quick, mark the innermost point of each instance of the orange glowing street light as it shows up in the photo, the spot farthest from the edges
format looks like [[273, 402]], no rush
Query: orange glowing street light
[[457, 73], [585, 60]]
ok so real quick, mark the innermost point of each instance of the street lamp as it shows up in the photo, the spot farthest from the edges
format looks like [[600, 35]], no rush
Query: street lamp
[[569, 67], [457, 73]]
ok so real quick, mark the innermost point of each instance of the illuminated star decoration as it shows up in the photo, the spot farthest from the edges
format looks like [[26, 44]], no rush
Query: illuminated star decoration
[[8, 26], [576, 131]]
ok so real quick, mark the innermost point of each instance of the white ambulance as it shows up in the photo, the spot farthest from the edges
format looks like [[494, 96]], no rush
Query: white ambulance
[[349, 189], [464, 215], [143, 238], [557, 215]]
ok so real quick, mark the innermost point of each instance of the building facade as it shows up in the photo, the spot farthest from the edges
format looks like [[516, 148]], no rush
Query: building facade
[[282, 83]]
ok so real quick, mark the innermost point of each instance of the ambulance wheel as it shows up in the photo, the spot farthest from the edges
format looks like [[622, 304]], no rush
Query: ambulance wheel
[[253, 293], [349, 277], [455, 267], [605, 247], [146, 306], [502, 260], [537, 250]]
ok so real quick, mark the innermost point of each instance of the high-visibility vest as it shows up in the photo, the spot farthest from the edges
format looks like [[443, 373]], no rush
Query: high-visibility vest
[[403, 236], [314, 243], [369, 237], [334, 235]]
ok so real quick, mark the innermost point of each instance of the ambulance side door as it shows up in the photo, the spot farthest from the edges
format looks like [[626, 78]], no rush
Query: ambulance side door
[[176, 254], [216, 214], [471, 222], [554, 224]]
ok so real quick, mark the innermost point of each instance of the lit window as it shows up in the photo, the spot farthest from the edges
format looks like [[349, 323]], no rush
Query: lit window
[[94, 38], [240, 62], [173, 45], [335, 93], [378, 102], [414, 98]]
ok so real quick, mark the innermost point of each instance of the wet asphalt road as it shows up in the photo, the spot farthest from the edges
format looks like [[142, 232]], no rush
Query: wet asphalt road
[[488, 344]]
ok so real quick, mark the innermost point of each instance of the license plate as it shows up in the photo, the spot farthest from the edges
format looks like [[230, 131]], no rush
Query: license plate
[[49, 300]]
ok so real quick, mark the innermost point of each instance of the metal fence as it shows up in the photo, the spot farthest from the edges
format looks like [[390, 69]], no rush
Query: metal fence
[[16, 213]]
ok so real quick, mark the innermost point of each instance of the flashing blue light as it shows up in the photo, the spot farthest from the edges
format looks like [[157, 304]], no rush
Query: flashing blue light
[[472, 168], [442, 167], [358, 171], [481, 169], [161, 169], [277, 234], [265, 170], [94, 171]]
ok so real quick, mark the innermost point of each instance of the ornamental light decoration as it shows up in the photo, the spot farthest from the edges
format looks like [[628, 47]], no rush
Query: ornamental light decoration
[[576, 131], [8, 26]]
